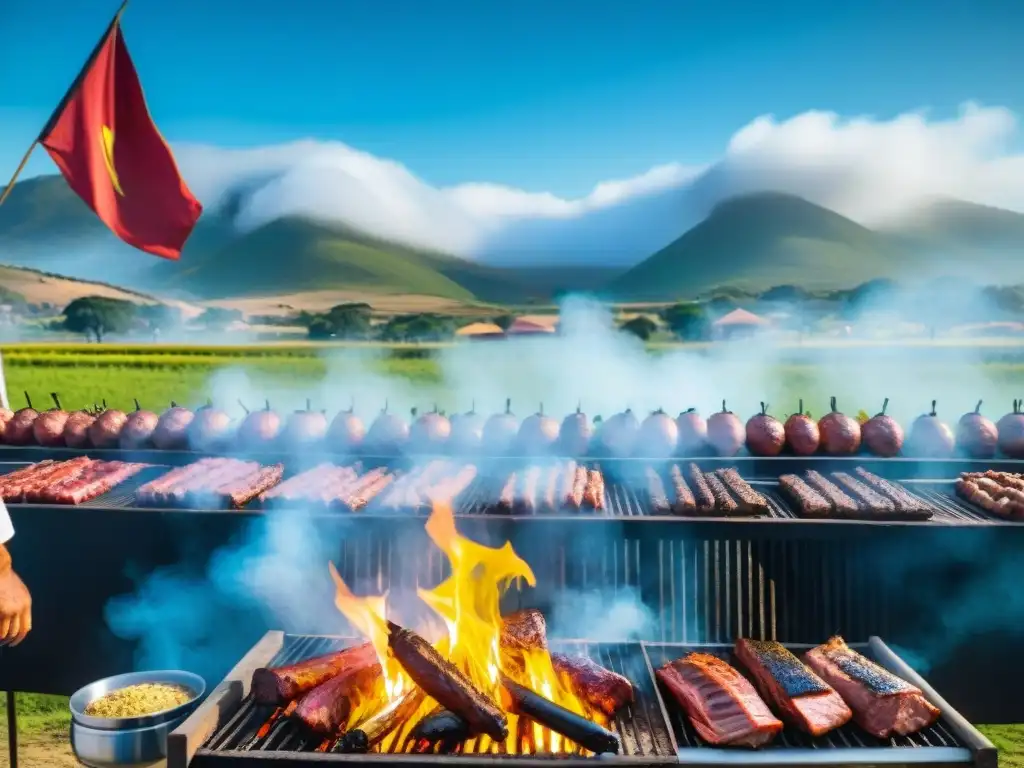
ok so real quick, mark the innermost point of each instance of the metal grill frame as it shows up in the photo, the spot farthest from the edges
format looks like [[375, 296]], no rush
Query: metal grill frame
[[188, 744]]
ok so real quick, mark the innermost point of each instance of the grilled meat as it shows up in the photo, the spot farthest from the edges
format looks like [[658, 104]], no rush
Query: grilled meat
[[906, 503], [808, 501], [841, 503], [526, 500], [325, 709], [800, 696], [751, 502], [550, 486], [656, 495], [704, 499], [374, 729], [869, 500], [524, 630], [593, 491], [991, 495], [722, 705], [724, 502], [599, 687], [446, 684], [683, 502], [507, 497], [882, 703], [278, 685], [579, 485]]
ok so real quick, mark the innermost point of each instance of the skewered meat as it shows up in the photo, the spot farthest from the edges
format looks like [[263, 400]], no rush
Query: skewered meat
[[809, 502], [725, 432], [105, 432], [550, 487], [802, 433], [325, 709], [882, 434], [48, 427], [840, 434], [693, 433], [977, 436], [724, 502], [882, 703], [304, 428], [526, 500], [751, 502], [601, 688], [500, 431], [507, 498], [538, 434], [430, 432], [574, 500], [992, 493], [704, 499], [445, 683], [76, 429], [905, 502], [593, 492], [171, 433], [766, 435], [467, 431], [92, 481], [139, 428], [259, 429], [659, 436], [800, 696], [930, 437], [683, 502], [841, 503], [869, 500], [576, 432], [578, 729], [19, 429], [617, 436], [277, 685], [722, 705], [1011, 432]]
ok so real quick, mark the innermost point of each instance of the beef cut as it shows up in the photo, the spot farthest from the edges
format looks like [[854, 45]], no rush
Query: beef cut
[[882, 703], [800, 696], [721, 703]]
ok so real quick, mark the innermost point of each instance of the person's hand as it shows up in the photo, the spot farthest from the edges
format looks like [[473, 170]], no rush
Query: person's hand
[[15, 604]]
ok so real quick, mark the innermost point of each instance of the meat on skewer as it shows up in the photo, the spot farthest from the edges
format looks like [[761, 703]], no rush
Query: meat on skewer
[[870, 500], [508, 494], [526, 503], [579, 487], [841, 503], [325, 709], [656, 495], [751, 502], [683, 502], [724, 502], [904, 501], [810, 503], [704, 500], [551, 485], [593, 491]]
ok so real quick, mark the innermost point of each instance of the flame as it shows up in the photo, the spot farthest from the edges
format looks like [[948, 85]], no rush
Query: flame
[[468, 602]]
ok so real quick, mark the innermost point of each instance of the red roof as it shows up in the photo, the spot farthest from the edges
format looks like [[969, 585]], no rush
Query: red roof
[[522, 325], [741, 317]]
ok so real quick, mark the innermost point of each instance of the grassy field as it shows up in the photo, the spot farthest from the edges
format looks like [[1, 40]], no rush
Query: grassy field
[[85, 374]]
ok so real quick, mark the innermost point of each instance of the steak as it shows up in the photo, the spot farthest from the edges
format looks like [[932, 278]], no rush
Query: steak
[[800, 696], [721, 703], [882, 703]]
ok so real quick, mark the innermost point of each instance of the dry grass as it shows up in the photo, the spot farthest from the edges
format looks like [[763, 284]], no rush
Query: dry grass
[[384, 303]]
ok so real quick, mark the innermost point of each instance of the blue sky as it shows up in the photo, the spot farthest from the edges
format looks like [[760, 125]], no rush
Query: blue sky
[[540, 94]]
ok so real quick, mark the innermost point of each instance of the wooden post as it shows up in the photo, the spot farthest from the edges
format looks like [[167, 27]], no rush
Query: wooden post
[[12, 729]]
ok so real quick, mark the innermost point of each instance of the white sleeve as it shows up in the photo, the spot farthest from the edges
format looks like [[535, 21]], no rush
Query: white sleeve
[[6, 526]]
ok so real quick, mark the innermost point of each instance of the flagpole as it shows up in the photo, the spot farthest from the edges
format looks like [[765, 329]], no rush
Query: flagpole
[[17, 172], [63, 102]]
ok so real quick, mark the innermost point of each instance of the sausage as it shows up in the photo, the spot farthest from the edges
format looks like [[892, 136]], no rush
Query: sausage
[[683, 502], [656, 495], [579, 486], [446, 684], [277, 685], [593, 491], [704, 500], [750, 500]]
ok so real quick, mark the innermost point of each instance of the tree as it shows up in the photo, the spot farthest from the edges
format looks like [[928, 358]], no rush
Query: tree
[[219, 318], [688, 320], [350, 321], [99, 315], [640, 326], [423, 327]]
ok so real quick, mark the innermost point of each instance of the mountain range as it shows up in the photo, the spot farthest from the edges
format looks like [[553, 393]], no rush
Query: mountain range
[[754, 241]]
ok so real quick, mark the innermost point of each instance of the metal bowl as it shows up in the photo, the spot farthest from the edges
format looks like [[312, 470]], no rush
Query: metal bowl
[[129, 747], [84, 696]]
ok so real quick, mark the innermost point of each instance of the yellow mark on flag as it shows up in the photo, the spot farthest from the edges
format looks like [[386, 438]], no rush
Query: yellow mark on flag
[[107, 138]]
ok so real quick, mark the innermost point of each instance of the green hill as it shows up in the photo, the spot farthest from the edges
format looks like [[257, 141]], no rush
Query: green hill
[[758, 241], [964, 226]]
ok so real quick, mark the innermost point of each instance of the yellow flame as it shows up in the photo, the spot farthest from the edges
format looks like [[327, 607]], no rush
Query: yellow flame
[[468, 602]]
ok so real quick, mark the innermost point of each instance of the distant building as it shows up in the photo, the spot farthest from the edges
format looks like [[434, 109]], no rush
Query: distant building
[[532, 325], [480, 331], [739, 323]]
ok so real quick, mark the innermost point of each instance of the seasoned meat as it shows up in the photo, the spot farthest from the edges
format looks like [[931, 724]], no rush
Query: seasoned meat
[[800, 696], [751, 502], [683, 502], [278, 685], [870, 500], [808, 501], [524, 630], [599, 687], [704, 500], [840, 502], [724, 503]]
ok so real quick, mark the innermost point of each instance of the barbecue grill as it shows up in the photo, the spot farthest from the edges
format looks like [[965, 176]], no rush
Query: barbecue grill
[[230, 730]]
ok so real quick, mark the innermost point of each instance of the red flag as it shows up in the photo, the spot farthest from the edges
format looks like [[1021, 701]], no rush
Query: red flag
[[112, 154]]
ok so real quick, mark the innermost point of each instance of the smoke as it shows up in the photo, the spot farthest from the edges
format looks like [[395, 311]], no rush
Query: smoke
[[202, 617]]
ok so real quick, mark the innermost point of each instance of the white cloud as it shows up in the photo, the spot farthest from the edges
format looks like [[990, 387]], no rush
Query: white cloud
[[869, 169]]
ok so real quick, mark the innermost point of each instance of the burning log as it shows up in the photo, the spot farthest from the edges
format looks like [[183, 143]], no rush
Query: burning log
[[375, 728], [282, 684], [576, 728], [442, 727], [445, 683], [325, 709]]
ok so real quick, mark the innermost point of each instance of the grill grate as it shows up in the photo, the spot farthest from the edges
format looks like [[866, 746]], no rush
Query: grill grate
[[940, 735], [641, 727]]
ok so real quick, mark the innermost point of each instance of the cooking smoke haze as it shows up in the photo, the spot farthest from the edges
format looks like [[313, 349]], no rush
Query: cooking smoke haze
[[275, 575]]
